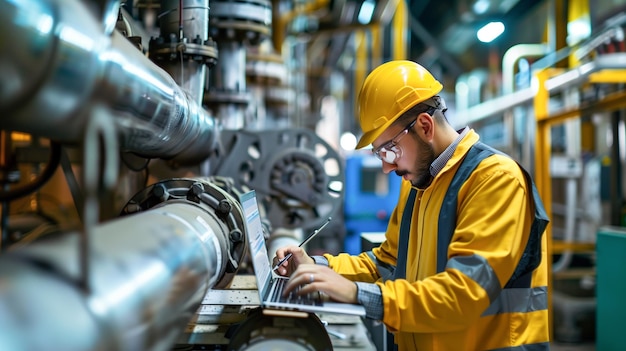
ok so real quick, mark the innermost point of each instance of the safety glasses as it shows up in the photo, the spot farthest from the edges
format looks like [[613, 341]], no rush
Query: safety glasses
[[389, 152]]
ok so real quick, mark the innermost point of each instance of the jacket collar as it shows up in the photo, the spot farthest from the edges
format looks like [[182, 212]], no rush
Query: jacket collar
[[442, 160]]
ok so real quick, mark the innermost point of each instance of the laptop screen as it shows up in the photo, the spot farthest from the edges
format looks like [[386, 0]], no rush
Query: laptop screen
[[256, 241], [263, 269]]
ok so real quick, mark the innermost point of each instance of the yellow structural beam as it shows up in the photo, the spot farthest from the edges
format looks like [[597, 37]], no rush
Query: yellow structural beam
[[542, 172], [377, 47], [559, 246], [610, 102], [545, 119], [280, 21], [360, 67], [608, 76], [400, 25]]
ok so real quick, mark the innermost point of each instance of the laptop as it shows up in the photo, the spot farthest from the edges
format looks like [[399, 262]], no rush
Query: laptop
[[269, 283]]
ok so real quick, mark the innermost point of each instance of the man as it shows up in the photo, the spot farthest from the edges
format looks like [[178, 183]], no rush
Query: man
[[462, 266]]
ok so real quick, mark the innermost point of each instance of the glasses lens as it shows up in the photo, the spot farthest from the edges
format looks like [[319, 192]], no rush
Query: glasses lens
[[390, 151], [387, 155]]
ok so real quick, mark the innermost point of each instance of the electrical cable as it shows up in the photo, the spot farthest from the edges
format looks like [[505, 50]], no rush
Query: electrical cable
[[46, 174]]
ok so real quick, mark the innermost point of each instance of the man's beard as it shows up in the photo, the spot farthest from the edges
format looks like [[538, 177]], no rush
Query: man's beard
[[423, 159]]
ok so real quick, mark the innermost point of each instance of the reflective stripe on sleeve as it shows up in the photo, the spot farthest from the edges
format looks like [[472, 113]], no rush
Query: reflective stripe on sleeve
[[385, 270], [502, 300], [519, 300], [478, 269]]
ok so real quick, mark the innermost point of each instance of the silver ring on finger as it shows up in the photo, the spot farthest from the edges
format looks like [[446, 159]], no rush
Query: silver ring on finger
[[311, 278]]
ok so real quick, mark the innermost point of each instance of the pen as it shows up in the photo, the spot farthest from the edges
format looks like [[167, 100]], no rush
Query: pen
[[308, 238]]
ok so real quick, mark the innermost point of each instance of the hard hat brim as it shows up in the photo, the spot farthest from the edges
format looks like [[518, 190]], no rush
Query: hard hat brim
[[369, 137]]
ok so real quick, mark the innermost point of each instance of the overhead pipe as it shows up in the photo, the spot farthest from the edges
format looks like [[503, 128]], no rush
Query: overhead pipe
[[62, 64], [512, 56], [509, 60]]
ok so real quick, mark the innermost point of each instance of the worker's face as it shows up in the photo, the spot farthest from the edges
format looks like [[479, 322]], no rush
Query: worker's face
[[419, 159], [416, 155], [390, 152]]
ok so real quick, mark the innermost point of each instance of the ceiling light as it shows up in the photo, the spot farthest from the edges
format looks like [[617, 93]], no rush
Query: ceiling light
[[578, 30], [490, 31], [481, 6], [348, 141], [366, 11]]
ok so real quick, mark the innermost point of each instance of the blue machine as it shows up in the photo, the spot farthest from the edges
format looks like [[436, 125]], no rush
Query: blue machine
[[370, 197]]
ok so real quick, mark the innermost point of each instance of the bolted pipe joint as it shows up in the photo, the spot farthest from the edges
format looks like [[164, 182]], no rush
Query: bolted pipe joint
[[223, 218]]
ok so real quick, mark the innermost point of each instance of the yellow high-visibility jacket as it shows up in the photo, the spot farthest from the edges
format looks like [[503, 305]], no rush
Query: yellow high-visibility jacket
[[466, 306]]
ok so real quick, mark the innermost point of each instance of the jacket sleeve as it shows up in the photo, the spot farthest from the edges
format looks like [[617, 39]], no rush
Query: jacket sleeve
[[364, 267], [493, 222]]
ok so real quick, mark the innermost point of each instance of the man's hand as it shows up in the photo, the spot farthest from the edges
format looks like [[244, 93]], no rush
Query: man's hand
[[299, 256], [313, 277]]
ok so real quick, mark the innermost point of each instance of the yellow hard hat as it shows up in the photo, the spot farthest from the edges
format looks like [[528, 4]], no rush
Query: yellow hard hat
[[390, 90]]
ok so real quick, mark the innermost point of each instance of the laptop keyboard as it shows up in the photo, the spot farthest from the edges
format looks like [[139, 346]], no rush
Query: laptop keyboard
[[311, 299]]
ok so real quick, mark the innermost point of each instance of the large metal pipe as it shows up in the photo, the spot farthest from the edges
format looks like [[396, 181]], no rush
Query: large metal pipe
[[149, 272], [57, 64]]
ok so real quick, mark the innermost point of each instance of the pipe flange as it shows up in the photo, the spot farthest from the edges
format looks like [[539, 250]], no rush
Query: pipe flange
[[204, 52], [223, 207], [240, 31], [248, 20], [279, 96], [255, 11], [265, 69]]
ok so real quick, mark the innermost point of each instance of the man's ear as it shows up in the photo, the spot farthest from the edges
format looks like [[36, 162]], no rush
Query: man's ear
[[425, 126]]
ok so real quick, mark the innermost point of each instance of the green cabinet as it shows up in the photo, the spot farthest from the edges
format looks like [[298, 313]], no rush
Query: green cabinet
[[611, 289]]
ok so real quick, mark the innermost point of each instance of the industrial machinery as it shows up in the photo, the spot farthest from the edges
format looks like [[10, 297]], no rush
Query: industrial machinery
[[118, 95], [128, 130]]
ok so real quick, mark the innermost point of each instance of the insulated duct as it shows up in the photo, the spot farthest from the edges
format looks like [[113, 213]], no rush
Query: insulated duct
[[57, 64]]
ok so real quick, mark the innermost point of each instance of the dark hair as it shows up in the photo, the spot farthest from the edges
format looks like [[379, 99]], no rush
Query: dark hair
[[408, 117]]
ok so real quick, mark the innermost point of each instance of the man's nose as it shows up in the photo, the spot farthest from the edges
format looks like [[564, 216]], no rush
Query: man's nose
[[388, 167]]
